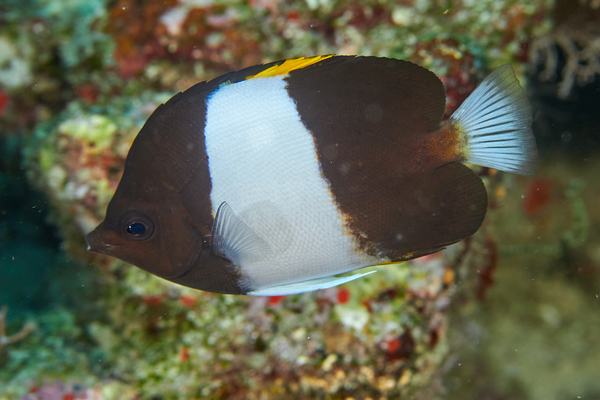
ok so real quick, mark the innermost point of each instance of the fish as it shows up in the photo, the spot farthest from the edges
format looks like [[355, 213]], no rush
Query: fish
[[282, 178]]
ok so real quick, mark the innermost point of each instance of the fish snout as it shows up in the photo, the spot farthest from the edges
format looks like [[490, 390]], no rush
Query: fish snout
[[97, 241]]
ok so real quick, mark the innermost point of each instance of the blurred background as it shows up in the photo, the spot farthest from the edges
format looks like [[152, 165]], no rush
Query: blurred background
[[511, 313]]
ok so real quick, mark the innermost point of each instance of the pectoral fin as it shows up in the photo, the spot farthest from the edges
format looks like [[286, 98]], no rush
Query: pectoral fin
[[234, 240]]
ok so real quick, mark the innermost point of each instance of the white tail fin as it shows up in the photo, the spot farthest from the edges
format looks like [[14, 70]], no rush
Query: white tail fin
[[496, 121]]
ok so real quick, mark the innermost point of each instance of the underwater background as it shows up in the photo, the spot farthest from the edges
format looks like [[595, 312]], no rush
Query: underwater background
[[511, 313]]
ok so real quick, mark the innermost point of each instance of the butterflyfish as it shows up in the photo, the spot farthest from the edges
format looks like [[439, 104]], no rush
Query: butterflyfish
[[278, 178]]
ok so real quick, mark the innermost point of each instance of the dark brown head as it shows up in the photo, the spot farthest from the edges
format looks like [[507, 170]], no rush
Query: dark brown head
[[161, 210], [155, 234]]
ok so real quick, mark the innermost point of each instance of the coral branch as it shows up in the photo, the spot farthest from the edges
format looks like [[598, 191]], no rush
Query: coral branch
[[579, 45], [4, 338]]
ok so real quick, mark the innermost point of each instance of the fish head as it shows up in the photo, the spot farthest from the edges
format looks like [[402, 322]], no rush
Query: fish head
[[147, 224], [161, 211]]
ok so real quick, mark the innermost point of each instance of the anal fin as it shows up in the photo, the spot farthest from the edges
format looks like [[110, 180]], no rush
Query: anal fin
[[307, 286]]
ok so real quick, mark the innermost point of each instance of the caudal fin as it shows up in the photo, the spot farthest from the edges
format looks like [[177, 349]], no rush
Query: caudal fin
[[496, 123]]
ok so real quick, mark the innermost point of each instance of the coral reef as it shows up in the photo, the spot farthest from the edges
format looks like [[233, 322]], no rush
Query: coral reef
[[565, 79], [579, 45], [374, 338], [572, 48], [64, 391], [78, 79]]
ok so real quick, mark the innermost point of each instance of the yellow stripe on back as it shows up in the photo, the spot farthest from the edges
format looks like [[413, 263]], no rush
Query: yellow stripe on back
[[289, 65]]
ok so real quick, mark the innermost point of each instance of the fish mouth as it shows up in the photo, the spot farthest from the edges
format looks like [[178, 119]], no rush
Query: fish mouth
[[104, 249], [96, 245]]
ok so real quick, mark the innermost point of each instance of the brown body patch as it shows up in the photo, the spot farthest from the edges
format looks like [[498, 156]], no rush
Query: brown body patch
[[389, 163]]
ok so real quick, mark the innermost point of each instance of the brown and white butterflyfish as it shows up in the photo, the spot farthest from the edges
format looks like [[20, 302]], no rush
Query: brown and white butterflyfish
[[277, 178]]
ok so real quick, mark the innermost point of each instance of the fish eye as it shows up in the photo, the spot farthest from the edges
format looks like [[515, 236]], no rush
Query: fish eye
[[137, 225], [136, 228]]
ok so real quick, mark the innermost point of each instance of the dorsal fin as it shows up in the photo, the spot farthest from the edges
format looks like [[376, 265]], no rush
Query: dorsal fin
[[287, 66]]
